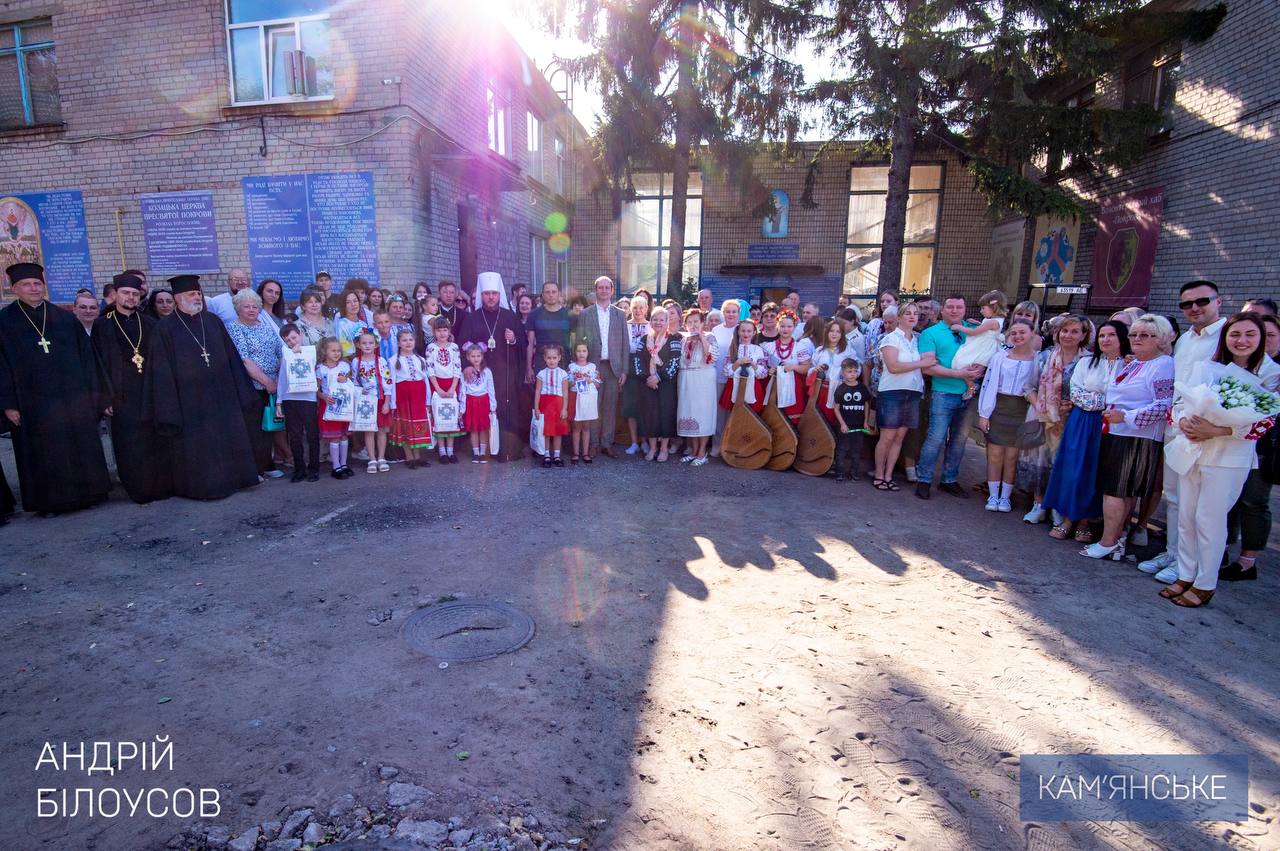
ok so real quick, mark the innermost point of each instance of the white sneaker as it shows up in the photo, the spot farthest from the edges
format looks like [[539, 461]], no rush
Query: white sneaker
[[633, 449], [911, 474], [1004, 506], [993, 503], [1157, 563], [1035, 516], [1139, 537], [1169, 575], [274, 474], [361, 455]]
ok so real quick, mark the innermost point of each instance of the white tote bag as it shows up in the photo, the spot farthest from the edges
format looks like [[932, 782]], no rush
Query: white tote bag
[[300, 367], [365, 416], [342, 408], [587, 404], [536, 441], [494, 428], [445, 413]]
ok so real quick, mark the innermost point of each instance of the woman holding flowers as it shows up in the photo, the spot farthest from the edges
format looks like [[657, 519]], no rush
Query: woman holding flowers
[[1207, 491]]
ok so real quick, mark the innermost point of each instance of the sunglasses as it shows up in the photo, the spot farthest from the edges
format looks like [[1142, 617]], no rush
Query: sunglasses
[[1197, 302]]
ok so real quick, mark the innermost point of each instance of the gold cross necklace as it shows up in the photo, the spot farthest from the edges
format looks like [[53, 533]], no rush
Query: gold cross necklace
[[137, 358], [43, 343]]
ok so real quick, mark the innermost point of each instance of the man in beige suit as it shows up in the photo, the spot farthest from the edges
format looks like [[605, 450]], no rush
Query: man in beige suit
[[603, 328]]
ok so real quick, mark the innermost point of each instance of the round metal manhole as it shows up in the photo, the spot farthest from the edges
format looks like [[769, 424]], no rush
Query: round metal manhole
[[467, 631]]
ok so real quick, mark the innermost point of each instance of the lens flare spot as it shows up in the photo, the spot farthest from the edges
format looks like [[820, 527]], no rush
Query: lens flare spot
[[556, 222], [559, 243]]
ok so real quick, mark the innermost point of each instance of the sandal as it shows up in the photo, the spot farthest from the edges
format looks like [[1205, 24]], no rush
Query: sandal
[[1060, 532], [1177, 589], [881, 484], [1084, 534], [1193, 598], [892, 485], [586, 459], [573, 460]]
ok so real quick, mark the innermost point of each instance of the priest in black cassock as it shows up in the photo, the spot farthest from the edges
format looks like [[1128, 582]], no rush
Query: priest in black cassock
[[196, 392], [124, 339], [496, 326], [52, 393]]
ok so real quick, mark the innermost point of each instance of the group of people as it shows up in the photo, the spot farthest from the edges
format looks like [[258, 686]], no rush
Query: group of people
[[219, 393]]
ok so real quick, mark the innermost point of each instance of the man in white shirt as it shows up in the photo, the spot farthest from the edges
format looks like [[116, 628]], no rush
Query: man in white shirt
[[603, 327], [220, 305], [1200, 305]]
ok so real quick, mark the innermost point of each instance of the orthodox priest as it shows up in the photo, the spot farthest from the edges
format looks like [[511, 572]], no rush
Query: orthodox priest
[[196, 392], [52, 393], [495, 325], [124, 341]]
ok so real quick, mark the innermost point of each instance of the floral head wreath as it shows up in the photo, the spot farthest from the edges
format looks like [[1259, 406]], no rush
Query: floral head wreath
[[786, 311], [466, 347]]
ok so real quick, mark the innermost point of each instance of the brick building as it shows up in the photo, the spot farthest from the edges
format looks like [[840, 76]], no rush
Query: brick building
[[468, 150]]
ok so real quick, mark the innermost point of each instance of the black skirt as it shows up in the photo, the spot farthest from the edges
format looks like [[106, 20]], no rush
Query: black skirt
[[1128, 466], [656, 409]]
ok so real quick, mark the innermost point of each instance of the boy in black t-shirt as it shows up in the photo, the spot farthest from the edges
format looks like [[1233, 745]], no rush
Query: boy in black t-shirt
[[851, 419]]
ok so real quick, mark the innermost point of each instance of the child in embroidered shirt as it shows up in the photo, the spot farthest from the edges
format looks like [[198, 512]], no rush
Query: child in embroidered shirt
[[332, 369], [551, 398], [584, 378], [298, 409], [411, 425], [984, 340], [444, 368], [373, 373], [480, 401]]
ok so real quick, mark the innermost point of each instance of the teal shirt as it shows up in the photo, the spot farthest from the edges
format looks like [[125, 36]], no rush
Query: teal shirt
[[941, 340]]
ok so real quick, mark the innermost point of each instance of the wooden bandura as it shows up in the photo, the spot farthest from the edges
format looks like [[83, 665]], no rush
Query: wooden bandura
[[747, 443], [816, 451], [783, 435]]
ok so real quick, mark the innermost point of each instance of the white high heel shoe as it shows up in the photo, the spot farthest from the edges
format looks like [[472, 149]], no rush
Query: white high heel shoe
[[1115, 553]]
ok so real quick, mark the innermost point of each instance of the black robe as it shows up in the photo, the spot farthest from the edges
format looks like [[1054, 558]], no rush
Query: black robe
[[142, 467], [198, 409], [60, 396], [7, 502], [506, 365]]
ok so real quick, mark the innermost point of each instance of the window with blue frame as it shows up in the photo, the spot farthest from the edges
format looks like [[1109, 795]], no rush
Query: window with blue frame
[[279, 50], [28, 75]]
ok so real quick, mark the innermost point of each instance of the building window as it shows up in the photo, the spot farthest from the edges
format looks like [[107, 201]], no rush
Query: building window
[[28, 76], [562, 271], [279, 50], [534, 145], [537, 262], [1151, 79], [559, 151], [868, 188], [499, 122], [646, 230]]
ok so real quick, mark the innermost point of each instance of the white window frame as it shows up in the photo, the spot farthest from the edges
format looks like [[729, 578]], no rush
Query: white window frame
[[558, 148], [498, 109], [537, 262], [533, 146], [264, 55], [664, 197], [562, 271]]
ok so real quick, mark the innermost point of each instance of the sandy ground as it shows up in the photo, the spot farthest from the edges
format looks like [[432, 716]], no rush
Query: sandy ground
[[723, 660]]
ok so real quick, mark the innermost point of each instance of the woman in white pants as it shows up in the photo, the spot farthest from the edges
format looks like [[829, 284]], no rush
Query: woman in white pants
[[1207, 491]]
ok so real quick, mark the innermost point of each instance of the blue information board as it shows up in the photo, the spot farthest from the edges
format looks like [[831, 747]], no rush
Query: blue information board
[[48, 228], [180, 233], [773, 251], [300, 224]]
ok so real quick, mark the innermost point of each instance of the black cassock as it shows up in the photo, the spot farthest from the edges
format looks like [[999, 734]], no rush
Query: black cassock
[[505, 364], [198, 409], [60, 396], [7, 502], [143, 468]]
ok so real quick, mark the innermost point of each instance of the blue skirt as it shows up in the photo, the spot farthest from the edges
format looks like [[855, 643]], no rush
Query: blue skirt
[[1072, 488]]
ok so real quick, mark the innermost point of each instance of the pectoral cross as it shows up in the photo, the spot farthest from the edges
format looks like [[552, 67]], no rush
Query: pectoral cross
[[204, 353], [137, 361], [44, 344]]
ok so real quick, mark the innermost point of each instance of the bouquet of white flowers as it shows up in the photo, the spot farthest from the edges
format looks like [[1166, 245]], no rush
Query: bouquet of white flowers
[[1223, 394]]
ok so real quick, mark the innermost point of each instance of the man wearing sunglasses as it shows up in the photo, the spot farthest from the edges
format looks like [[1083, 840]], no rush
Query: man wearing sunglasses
[[1200, 305]]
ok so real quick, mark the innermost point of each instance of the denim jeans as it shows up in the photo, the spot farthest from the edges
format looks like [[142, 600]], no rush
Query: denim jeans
[[949, 426]]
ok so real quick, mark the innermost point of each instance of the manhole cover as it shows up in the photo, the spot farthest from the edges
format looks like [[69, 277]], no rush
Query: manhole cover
[[466, 631]]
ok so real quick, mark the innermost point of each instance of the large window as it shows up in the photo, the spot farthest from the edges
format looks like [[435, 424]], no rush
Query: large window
[[646, 230], [1151, 79], [534, 146], [279, 50], [868, 188], [499, 106], [559, 151], [28, 75], [537, 262]]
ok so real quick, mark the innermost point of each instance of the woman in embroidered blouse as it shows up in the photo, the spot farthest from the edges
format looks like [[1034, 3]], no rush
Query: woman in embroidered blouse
[[656, 370], [1138, 400], [351, 323], [1210, 488], [312, 322], [1072, 490], [637, 328], [789, 361], [1008, 388]]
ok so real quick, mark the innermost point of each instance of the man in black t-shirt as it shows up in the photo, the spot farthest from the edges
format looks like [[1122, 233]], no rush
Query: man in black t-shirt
[[851, 420]]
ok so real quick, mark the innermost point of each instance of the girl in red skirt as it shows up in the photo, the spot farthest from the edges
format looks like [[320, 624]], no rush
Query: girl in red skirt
[[371, 372], [743, 352], [551, 398], [411, 422], [479, 401], [789, 360], [444, 367], [332, 369]]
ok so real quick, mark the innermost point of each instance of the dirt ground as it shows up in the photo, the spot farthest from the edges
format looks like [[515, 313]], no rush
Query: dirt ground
[[723, 660]]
